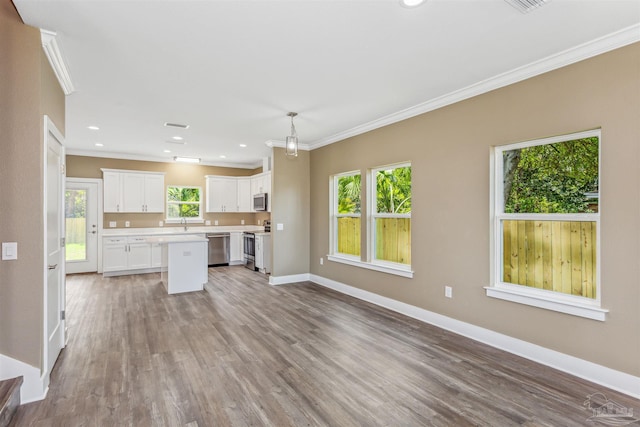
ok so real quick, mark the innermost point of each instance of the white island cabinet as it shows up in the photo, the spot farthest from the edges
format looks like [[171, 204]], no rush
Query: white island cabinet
[[184, 262]]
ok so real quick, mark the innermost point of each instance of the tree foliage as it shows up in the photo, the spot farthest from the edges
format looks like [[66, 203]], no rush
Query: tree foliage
[[190, 197], [75, 205], [349, 188], [394, 190], [552, 178]]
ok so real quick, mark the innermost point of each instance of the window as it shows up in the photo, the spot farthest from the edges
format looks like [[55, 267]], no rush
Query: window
[[183, 202], [546, 224], [386, 244], [346, 214], [391, 214]]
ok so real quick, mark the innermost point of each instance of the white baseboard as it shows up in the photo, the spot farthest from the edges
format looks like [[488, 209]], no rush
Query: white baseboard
[[294, 278], [33, 388], [616, 380]]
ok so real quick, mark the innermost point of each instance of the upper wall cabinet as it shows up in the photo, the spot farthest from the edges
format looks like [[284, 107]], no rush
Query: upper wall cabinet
[[244, 194], [133, 191], [222, 194], [261, 183]]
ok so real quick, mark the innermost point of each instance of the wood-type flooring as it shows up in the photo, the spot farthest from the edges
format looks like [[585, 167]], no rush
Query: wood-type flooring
[[244, 353]]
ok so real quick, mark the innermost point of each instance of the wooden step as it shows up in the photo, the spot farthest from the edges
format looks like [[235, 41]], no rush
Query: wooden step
[[9, 399]]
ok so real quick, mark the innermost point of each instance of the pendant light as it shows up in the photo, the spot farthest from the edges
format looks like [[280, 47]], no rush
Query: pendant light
[[291, 144]]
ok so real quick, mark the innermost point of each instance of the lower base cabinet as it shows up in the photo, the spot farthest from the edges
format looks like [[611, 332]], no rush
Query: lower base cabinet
[[125, 253], [236, 251]]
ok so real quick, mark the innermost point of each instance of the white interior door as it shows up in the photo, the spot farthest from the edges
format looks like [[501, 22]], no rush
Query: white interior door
[[54, 249], [81, 224]]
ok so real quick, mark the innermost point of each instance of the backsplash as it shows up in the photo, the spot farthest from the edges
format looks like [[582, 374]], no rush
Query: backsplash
[[148, 220]]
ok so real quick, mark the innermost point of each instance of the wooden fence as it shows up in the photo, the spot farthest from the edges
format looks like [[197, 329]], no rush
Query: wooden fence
[[393, 238], [553, 255], [76, 230]]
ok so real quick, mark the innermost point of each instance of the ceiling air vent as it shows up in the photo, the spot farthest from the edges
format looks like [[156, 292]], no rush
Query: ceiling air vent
[[526, 6], [176, 125]]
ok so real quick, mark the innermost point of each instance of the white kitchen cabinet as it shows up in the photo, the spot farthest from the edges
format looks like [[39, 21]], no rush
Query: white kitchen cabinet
[[221, 194], [121, 254], [263, 252], [245, 197], [156, 255], [133, 191], [236, 252], [261, 183], [112, 194]]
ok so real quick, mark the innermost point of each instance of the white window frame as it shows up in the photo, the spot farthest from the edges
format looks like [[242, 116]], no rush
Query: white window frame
[[192, 220], [335, 215], [550, 300], [373, 215]]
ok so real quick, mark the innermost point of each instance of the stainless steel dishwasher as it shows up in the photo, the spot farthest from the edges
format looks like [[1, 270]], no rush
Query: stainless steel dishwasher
[[218, 248]]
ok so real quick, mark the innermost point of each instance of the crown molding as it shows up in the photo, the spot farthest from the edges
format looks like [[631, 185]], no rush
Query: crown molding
[[281, 144], [581, 52], [144, 158], [56, 59]]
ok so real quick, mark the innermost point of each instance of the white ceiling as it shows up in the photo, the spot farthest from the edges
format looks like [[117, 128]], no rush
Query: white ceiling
[[232, 69]]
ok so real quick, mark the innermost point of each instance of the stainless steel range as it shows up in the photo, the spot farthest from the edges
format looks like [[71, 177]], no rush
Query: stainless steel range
[[249, 245]]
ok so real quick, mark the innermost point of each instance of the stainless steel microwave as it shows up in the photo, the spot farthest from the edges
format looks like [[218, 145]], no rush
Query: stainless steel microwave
[[260, 202]]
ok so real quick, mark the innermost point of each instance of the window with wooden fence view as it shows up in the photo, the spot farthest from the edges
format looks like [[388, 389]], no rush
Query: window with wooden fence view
[[392, 214], [348, 215], [548, 218]]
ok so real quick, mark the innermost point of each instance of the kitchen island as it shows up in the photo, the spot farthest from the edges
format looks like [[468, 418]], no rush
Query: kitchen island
[[184, 262]]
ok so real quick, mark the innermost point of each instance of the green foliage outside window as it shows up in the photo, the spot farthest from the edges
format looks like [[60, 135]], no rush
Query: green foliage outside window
[[183, 202], [552, 178], [394, 190], [349, 194]]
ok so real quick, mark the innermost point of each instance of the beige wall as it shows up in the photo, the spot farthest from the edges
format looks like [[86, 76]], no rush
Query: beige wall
[[449, 149], [290, 207], [175, 174], [28, 90]]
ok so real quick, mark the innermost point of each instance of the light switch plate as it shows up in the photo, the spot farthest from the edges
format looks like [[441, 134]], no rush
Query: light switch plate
[[279, 226], [112, 224], [9, 251], [207, 222], [215, 222]]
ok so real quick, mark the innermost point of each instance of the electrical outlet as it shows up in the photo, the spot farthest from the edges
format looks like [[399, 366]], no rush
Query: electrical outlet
[[215, 222], [242, 222], [207, 222], [321, 261], [127, 223], [160, 224], [112, 224], [448, 291]]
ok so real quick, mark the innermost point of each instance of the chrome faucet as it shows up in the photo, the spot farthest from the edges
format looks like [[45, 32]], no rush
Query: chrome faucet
[[183, 221]]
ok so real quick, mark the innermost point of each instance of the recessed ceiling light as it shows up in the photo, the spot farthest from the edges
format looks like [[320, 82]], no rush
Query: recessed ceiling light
[[93, 127], [186, 159], [223, 156], [411, 3], [99, 144], [243, 145], [177, 138], [167, 151]]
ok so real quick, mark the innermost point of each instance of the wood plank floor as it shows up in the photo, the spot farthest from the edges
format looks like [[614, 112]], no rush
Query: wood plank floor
[[243, 353]]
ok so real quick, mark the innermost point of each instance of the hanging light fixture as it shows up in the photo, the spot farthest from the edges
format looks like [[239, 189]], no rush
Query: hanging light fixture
[[291, 144]]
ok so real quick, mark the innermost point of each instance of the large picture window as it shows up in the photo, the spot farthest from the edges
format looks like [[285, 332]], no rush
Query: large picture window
[[391, 214], [546, 223], [346, 214], [183, 202]]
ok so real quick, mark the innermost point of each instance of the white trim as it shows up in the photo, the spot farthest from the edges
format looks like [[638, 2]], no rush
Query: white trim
[[281, 144], [599, 374], [33, 386], [293, 278], [549, 303], [584, 51], [384, 268], [98, 182], [125, 156], [56, 59]]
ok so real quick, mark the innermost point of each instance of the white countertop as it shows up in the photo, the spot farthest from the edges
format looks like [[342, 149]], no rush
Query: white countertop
[[181, 238], [177, 231]]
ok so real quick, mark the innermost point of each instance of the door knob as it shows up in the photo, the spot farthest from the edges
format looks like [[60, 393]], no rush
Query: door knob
[[52, 267]]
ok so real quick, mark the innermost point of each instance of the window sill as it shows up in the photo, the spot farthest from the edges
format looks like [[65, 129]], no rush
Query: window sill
[[189, 221], [537, 299], [370, 266]]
